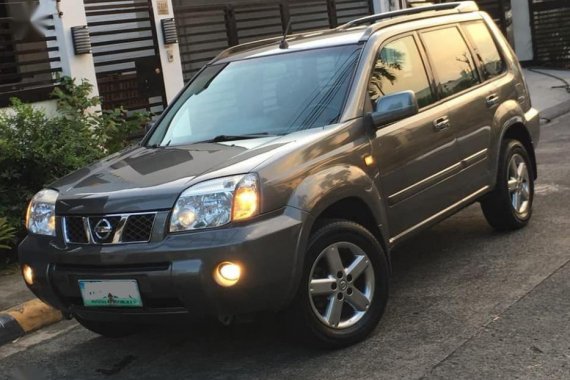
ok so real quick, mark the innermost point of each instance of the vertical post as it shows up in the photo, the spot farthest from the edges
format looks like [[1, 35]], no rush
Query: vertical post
[[169, 54], [67, 14], [331, 10], [523, 29], [231, 26], [381, 6]]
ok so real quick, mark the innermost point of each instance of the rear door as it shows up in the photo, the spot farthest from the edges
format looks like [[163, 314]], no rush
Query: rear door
[[468, 98], [417, 157]]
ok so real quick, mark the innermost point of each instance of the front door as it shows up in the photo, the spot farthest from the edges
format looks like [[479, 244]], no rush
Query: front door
[[417, 157]]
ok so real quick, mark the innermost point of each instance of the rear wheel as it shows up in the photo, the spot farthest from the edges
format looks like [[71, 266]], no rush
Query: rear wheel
[[345, 285], [509, 205], [109, 329]]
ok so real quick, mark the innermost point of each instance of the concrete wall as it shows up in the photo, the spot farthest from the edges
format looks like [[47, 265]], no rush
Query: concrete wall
[[48, 106], [522, 30]]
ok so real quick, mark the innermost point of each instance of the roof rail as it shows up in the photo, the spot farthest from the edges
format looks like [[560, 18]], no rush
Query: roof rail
[[451, 8]]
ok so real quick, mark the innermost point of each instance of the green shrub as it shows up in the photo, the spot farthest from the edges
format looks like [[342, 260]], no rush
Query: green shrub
[[7, 234], [36, 149]]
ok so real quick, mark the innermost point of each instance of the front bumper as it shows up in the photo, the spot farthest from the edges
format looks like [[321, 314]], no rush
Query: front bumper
[[174, 274]]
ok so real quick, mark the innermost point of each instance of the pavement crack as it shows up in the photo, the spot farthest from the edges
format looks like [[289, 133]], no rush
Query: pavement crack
[[117, 367], [498, 316]]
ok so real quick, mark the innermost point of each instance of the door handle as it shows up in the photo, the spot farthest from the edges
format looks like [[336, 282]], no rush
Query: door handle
[[492, 100], [441, 123]]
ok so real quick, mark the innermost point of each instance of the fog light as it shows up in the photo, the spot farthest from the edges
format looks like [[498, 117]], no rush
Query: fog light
[[28, 274], [227, 274]]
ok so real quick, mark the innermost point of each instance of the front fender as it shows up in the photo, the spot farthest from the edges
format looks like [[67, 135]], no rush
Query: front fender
[[322, 189]]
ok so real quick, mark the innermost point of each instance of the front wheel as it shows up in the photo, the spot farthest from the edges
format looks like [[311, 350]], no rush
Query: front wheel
[[509, 205], [345, 285]]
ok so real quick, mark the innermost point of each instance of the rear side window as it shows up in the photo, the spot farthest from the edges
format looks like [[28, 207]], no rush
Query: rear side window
[[399, 67], [451, 59], [486, 50]]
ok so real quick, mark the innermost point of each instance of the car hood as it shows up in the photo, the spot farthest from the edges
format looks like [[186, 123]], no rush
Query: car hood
[[144, 179]]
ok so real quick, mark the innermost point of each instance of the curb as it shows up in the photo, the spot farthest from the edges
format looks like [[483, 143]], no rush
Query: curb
[[555, 111], [25, 318]]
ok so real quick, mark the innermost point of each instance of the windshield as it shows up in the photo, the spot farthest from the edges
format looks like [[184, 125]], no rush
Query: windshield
[[271, 95]]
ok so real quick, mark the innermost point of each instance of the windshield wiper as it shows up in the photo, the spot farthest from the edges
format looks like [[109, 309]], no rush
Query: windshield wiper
[[222, 138]]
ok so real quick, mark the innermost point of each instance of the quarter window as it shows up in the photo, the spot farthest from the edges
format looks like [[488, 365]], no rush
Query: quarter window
[[399, 67], [451, 59], [485, 49]]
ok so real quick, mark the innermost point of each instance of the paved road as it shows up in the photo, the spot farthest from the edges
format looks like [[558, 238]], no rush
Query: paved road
[[466, 303]]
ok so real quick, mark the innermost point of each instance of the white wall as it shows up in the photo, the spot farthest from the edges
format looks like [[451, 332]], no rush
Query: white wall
[[381, 6], [521, 29], [48, 106]]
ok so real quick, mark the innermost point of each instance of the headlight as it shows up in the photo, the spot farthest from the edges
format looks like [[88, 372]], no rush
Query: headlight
[[40, 218], [216, 202]]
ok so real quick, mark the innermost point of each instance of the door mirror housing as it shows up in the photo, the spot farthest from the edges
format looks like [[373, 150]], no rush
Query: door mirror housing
[[394, 107]]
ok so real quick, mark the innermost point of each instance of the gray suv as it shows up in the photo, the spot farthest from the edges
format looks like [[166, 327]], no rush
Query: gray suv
[[285, 172]]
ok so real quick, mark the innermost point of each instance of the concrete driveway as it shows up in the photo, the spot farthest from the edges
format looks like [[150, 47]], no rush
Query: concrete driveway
[[466, 302]]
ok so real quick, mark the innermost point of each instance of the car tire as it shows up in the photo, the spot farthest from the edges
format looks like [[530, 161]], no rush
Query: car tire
[[509, 205], [360, 254], [109, 329]]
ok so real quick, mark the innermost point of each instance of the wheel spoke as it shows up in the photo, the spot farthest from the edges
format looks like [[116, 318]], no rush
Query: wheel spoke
[[515, 200], [321, 286], [358, 266], [333, 259], [334, 311], [525, 191], [513, 167], [520, 170], [358, 300], [512, 184]]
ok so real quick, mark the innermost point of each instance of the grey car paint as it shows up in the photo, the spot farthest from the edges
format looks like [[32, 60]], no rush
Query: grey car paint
[[419, 176]]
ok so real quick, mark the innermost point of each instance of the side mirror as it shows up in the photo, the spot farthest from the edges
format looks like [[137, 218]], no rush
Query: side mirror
[[394, 107]]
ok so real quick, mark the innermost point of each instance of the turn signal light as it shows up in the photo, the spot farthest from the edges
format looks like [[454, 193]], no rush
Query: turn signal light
[[245, 203], [227, 274], [28, 274]]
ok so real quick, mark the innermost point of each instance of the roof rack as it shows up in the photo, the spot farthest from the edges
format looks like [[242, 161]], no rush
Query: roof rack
[[441, 9]]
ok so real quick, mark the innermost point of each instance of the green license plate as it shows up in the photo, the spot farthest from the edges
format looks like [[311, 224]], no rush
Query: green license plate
[[110, 293]]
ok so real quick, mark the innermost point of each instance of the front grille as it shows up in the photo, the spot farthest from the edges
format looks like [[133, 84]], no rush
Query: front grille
[[107, 237], [108, 229], [75, 230], [138, 228]]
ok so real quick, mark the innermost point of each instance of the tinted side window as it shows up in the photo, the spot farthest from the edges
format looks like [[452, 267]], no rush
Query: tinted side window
[[451, 59], [486, 49], [399, 67]]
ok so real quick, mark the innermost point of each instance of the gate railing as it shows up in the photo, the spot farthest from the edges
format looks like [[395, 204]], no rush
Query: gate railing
[[204, 31], [550, 25]]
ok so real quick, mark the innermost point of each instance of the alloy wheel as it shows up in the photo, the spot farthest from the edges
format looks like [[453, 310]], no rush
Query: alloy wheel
[[519, 184], [341, 285]]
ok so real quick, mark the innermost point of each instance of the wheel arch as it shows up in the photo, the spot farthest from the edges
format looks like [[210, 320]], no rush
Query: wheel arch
[[516, 130]]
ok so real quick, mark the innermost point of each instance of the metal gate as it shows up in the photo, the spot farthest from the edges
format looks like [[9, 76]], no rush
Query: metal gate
[[203, 31], [125, 51], [29, 61], [550, 25]]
